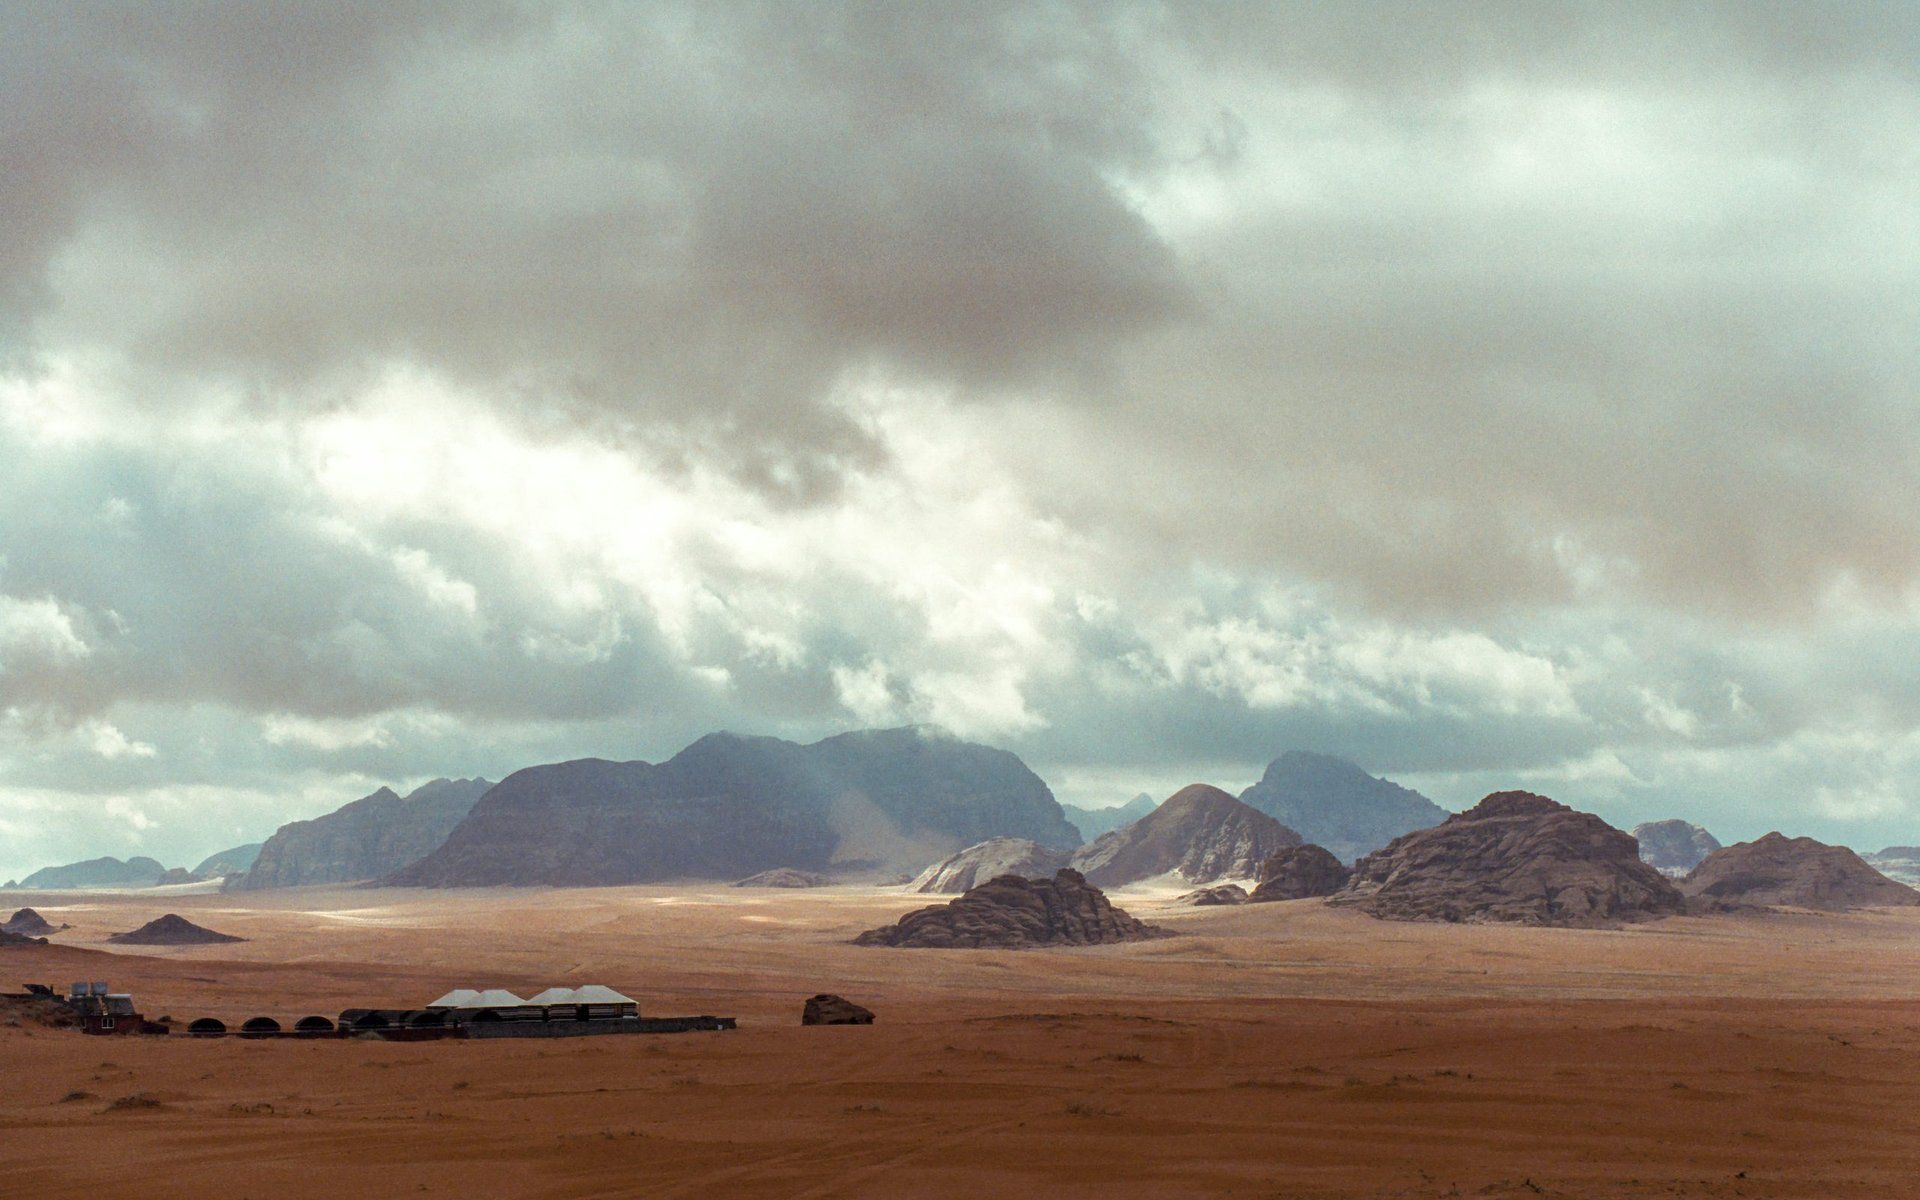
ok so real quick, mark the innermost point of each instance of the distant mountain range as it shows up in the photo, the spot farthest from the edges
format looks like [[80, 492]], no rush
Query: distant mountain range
[[872, 804], [138, 871], [228, 862], [1673, 847], [1092, 822], [1333, 803], [369, 838]]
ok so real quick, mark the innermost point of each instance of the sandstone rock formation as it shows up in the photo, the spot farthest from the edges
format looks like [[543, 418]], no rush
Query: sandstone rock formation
[[1673, 847], [1793, 873], [1092, 822], [783, 877], [1209, 897], [29, 923], [106, 872], [868, 805], [367, 839], [1332, 803], [1200, 835], [1299, 872], [993, 857], [1016, 914], [1514, 857], [828, 1009], [172, 930], [20, 939]]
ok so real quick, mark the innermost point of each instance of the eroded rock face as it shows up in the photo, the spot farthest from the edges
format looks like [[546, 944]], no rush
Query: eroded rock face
[[828, 1009], [366, 839], [1795, 873], [1299, 872], [1012, 913], [1673, 847], [172, 930], [1212, 897], [1200, 834], [1514, 857], [993, 857], [784, 877]]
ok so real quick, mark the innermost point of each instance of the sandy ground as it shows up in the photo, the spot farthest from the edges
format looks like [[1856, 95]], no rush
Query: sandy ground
[[1286, 1051]]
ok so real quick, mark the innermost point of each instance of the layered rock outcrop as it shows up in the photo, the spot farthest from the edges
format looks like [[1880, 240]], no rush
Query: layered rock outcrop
[[1199, 835], [1012, 913], [993, 857], [1514, 857], [367, 839], [1299, 872], [1779, 871]]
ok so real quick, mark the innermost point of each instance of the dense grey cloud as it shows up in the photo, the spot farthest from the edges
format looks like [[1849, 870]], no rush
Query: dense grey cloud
[[1487, 392]]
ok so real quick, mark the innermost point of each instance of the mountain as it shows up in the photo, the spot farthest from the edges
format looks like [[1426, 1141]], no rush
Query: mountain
[[1334, 804], [1673, 847], [1513, 857], [96, 873], [229, 862], [367, 839], [993, 857], [1200, 834], [1898, 863], [1092, 822], [1012, 913], [1789, 872], [874, 803]]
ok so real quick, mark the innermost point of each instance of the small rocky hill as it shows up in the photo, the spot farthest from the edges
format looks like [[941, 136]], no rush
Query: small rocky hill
[[993, 857], [29, 923], [1673, 847], [1299, 872], [1514, 857], [1779, 871], [1012, 913], [369, 838], [1200, 834], [172, 930], [1331, 802]]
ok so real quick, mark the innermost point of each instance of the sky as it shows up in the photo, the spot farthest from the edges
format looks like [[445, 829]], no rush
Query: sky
[[1498, 395]]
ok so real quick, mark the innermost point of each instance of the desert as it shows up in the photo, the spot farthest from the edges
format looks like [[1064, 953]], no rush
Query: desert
[[1282, 1049]]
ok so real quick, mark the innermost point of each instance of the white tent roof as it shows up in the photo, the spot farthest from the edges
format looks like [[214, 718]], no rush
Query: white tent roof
[[593, 993], [497, 998], [457, 998]]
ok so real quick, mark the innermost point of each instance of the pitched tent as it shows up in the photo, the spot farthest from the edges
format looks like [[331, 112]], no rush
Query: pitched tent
[[595, 993], [555, 995], [458, 998], [496, 998]]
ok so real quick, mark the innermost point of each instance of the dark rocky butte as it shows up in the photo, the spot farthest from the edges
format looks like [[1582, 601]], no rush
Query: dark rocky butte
[[1789, 872], [873, 804], [369, 838], [1012, 913], [1201, 835], [172, 930], [1514, 857]]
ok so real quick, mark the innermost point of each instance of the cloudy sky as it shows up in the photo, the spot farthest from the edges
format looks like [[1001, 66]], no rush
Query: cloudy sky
[[1498, 395]]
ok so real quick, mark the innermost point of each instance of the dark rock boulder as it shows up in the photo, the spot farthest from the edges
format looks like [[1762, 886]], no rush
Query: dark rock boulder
[[172, 930], [987, 860], [1016, 914], [1299, 872], [1200, 835], [828, 1009], [1514, 857], [1210, 897], [1673, 847], [20, 939], [1333, 803], [784, 877], [1779, 871]]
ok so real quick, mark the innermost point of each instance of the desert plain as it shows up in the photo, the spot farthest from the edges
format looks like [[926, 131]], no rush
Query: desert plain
[[1282, 1050]]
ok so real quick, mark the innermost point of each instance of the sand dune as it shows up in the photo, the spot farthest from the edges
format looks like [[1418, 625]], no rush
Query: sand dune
[[1279, 1050]]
